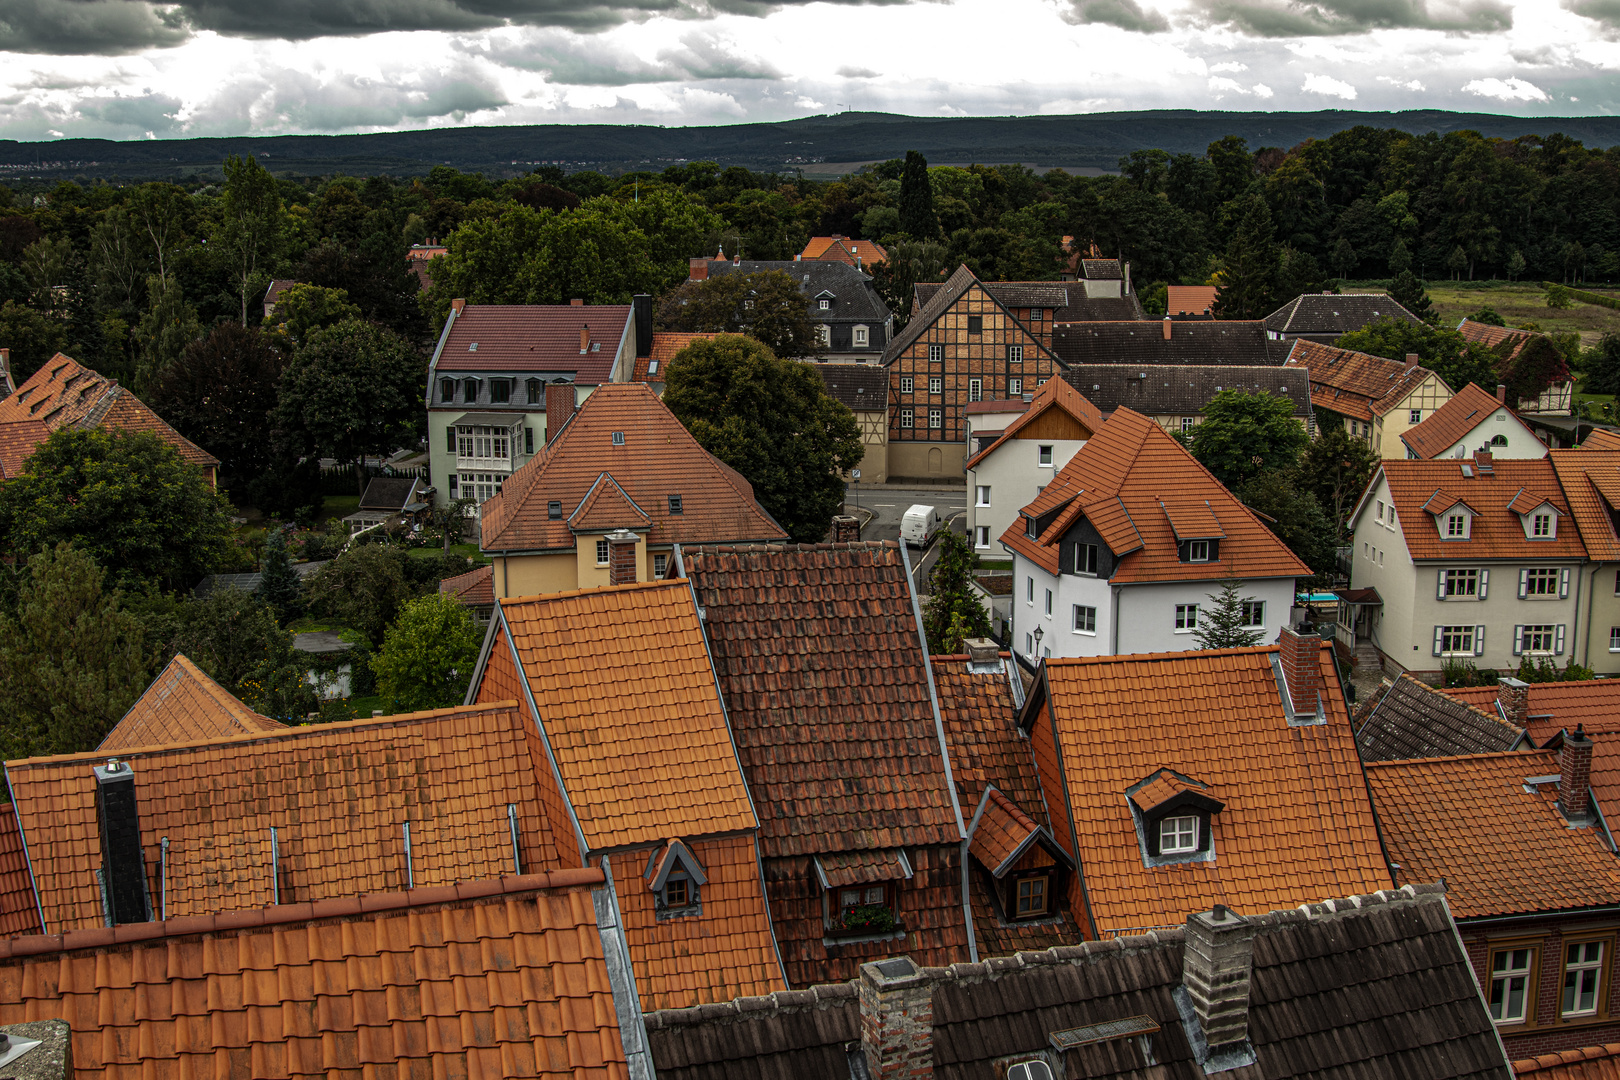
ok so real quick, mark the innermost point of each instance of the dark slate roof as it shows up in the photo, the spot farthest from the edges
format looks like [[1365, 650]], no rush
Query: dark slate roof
[[1101, 269], [1066, 299], [1083, 308], [1191, 343], [1183, 390], [1333, 314], [388, 493], [854, 298], [1415, 720], [1373, 987], [862, 387]]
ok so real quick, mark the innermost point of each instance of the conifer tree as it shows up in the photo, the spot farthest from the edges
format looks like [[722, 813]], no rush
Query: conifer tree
[[278, 585], [1409, 292], [1220, 625], [917, 217], [1249, 271], [953, 613]]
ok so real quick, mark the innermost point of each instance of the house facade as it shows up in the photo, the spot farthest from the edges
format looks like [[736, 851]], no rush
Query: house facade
[[1375, 399], [865, 392], [1590, 480], [1473, 420], [854, 323], [1509, 342]]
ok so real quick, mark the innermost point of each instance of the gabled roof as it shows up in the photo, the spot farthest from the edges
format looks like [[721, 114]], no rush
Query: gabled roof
[[18, 440], [534, 338], [502, 978], [1296, 821], [810, 720], [1590, 480], [390, 493], [1455, 421], [654, 367], [858, 387], [1587, 1063], [954, 288], [1000, 832], [607, 506], [338, 794], [659, 458], [1353, 383], [19, 913], [1422, 489], [1050, 295], [475, 588], [1122, 481], [1414, 720], [183, 705], [1052, 394], [854, 299], [1501, 849], [1143, 343], [1493, 336], [1333, 313], [1101, 269], [1190, 299], [1183, 390], [844, 249]]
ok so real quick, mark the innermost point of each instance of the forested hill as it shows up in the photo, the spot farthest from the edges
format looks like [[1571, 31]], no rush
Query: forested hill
[[1094, 140]]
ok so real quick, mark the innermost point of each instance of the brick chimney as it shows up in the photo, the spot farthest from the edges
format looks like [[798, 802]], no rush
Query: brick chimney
[[846, 529], [1301, 659], [621, 557], [897, 1020], [1215, 968], [1483, 463], [1167, 325], [697, 269], [1513, 697], [457, 305], [576, 302], [585, 337], [123, 868], [559, 407], [1575, 777], [1412, 360]]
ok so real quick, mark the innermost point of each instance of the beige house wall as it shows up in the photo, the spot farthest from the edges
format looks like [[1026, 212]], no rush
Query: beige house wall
[[1387, 430], [1600, 610], [926, 461], [874, 425], [561, 571]]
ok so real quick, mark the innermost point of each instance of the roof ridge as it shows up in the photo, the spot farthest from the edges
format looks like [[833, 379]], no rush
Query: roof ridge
[[661, 583], [1467, 705], [1184, 655], [1487, 755]]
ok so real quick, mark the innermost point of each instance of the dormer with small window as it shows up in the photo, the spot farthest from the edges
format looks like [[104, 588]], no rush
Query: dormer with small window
[[676, 880], [824, 300], [1026, 873], [1197, 530], [1453, 518], [1537, 514], [1174, 816], [861, 892]]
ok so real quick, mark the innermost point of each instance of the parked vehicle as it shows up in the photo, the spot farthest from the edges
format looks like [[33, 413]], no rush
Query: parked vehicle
[[918, 526]]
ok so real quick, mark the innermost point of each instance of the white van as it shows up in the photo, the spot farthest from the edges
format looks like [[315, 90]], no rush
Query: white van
[[919, 525]]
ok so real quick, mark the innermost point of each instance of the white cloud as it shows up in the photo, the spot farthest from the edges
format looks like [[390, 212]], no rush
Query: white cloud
[[1229, 65], [1509, 89], [1261, 90], [1324, 84], [1404, 85], [1218, 85]]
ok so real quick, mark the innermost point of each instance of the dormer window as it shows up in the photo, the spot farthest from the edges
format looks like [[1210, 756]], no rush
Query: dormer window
[[1198, 551], [1029, 527], [862, 891], [447, 389], [469, 391], [676, 880], [1173, 815], [1178, 835], [536, 393], [824, 305], [1456, 526], [1541, 526]]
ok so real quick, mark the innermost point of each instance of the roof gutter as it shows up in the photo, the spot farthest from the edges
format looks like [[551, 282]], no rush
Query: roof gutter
[[1501, 920]]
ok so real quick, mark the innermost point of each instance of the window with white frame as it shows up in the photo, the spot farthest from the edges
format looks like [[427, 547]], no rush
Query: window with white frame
[[1029, 645], [860, 337], [601, 553], [975, 389], [1460, 585], [1541, 526], [1015, 387], [1178, 835], [1048, 605], [1186, 618], [906, 419], [1456, 526], [1541, 583], [981, 536], [1029, 590], [1043, 455], [1414, 416], [981, 495], [481, 486], [1186, 424], [1379, 513], [907, 384], [660, 564], [936, 384], [1015, 354], [1198, 551], [936, 418], [1510, 984], [936, 354], [1085, 619], [825, 335], [823, 305], [1583, 975], [1457, 640], [1254, 612], [1085, 559], [1033, 1069]]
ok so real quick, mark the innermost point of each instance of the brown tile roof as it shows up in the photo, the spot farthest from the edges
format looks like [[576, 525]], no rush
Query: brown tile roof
[[475, 588], [665, 344], [503, 978], [1422, 489], [1355, 384], [1296, 822], [1452, 422], [338, 794], [1190, 299], [1334, 313], [1001, 832], [630, 712], [821, 662], [538, 338], [1590, 479], [1587, 1063], [806, 1035], [1052, 394], [1501, 850], [19, 914], [659, 458], [1601, 439], [858, 387], [1414, 720], [1491, 336], [1129, 480], [1143, 343], [64, 392], [18, 440], [183, 705]]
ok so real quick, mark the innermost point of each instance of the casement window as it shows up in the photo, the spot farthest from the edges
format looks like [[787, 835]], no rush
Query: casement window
[[1583, 978], [860, 337], [1617, 583], [447, 389], [1015, 387], [821, 305], [1186, 618], [1029, 591], [1254, 613], [981, 536], [660, 564], [981, 495], [469, 391], [1048, 607], [601, 553], [500, 391], [1030, 900], [1499, 439], [826, 337], [1541, 527], [936, 384], [534, 391], [1379, 514], [450, 439], [1085, 559], [936, 354], [1456, 527], [453, 497], [528, 440], [975, 324], [1029, 527], [1543, 583], [1391, 515], [1043, 455], [1178, 835], [679, 892], [1414, 416], [481, 486], [936, 418], [906, 421], [1545, 639], [1037, 314], [1463, 584], [1459, 640], [1186, 425], [1085, 619], [1198, 551], [863, 896], [907, 384], [1511, 988], [484, 442], [975, 389], [1015, 354]]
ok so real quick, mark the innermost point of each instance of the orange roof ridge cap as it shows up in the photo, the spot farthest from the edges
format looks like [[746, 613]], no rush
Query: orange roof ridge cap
[[1186, 654], [1493, 755], [628, 586]]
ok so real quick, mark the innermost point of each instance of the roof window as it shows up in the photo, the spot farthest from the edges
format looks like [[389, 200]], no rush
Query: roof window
[[472, 347], [676, 879], [618, 438], [1174, 818], [675, 504], [554, 510]]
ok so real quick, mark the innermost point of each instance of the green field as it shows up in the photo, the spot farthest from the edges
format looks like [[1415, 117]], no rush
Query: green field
[[1523, 302]]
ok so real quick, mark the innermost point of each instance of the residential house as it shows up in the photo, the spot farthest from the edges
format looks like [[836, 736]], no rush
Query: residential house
[[504, 378], [65, 393], [1473, 420], [1509, 342], [1429, 536], [183, 705], [272, 294], [1366, 986], [964, 346], [622, 471], [1127, 542], [638, 775], [405, 499], [1184, 300], [820, 657], [854, 322], [988, 420], [1590, 480], [1228, 773], [1176, 396], [1375, 399], [860, 254], [1012, 471], [475, 591], [1601, 439], [865, 392], [419, 255], [1041, 305], [1531, 878], [1326, 317], [665, 344], [1411, 719], [1167, 341]]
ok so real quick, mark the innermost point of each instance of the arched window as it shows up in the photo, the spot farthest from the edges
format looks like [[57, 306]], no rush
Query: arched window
[[1498, 440]]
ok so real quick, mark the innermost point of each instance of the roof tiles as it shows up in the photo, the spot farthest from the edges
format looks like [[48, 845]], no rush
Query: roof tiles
[[1421, 490], [1587, 1063], [475, 588], [1053, 394], [1353, 383], [1492, 336], [537, 338], [183, 705], [1590, 479], [1335, 313], [19, 914], [1143, 343], [1414, 720], [1452, 422], [1178, 389], [654, 367], [1001, 832]]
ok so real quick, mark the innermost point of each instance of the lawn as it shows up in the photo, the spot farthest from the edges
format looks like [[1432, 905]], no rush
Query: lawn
[[1523, 302], [469, 550], [339, 506]]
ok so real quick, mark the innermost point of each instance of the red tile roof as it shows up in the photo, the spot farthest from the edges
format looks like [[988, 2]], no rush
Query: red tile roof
[[183, 705], [1355, 384], [1001, 832], [1501, 850], [1190, 299], [1590, 479], [1422, 490], [19, 914], [503, 978], [665, 344], [658, 458], [475, 588], [1587, 1063], [1053, 394], [1452, 422], [529, 337], [1130, 481], [1491, 336], [1296, 821], [1601, 439], [18, 440]]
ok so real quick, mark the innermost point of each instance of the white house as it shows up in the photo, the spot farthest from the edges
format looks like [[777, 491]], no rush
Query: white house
[[1473, 420], [1027, 450], [1122, 550]]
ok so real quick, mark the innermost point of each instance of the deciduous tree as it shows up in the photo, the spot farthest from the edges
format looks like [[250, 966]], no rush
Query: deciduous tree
[[221, 394], [427, 655], [769, 307], [248, 238], [1243, 435]]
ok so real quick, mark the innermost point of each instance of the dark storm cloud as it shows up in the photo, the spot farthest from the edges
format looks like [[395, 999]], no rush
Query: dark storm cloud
[[1125, 14], [105, 27], [1606, 12], [1323, 18], [574, 61]]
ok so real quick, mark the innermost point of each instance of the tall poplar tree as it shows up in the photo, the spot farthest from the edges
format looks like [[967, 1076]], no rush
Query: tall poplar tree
[[917, 217]]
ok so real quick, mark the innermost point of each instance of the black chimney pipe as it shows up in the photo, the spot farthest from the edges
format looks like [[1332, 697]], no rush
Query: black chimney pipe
[[641, 305], [123, 870]]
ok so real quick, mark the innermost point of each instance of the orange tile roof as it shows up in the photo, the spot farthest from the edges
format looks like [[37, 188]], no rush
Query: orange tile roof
[[1296, 822], [1501, 850], [1352, 383], [1587, 1063], [475, 588], [1001, 832], [981, 729], [18, 440], [1491, 336], [1601, 439], [1128, 481], [665, 344], [1421, 490], [1190, 299], [504, 978], [1590, 479], [338, 794], [630, 711], [845, 250], [1452, 422], [19, 914], [1052, 394], [607, 506], [659, 458], [1164, 787], [183, 705]]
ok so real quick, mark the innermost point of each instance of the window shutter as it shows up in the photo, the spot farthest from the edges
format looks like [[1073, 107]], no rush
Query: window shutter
[[1150, 826], [1440, 586], [1479, 641], [1437, 632], [450, 439], [1484, 583], [1563, 584], [1558, 640], [1204, 821], [1518, 640], [1524, 584]]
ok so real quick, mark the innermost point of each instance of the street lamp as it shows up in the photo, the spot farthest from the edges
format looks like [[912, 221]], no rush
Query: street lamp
[[1039, 633]]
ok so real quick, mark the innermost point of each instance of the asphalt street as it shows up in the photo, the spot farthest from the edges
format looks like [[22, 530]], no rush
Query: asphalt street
[[889, 504]]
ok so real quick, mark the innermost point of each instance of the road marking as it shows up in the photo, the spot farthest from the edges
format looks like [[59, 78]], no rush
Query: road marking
[[886, 506]]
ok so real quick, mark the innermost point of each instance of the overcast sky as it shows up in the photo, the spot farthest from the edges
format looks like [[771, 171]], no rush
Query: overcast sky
[[129, 69]]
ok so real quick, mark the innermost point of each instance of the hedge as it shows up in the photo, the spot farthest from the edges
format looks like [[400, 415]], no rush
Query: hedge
[[1586, 297]]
